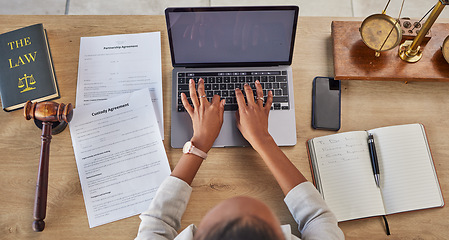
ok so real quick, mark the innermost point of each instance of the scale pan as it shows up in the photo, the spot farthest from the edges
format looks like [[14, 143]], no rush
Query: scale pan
[[445, 49], [376, 28]]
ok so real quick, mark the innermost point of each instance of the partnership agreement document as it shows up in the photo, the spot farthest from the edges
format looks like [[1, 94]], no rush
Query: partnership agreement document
[[120, 156], [116, 64]]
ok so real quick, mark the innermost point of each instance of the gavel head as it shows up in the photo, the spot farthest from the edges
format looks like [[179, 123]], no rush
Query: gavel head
[[48, 111]]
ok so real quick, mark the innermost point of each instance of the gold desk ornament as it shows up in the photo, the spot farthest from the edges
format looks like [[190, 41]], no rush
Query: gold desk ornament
[[445, 49], [411, 51], [380, 32], [354, 42]]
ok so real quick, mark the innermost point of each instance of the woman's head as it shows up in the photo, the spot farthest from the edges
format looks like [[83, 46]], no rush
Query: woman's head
[[240, 218]]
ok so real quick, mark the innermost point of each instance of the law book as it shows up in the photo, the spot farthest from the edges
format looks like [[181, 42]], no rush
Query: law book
[[26, 68], [343, 172]]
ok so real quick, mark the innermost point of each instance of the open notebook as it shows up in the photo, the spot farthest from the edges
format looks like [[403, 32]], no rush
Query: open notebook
[[343, 173]]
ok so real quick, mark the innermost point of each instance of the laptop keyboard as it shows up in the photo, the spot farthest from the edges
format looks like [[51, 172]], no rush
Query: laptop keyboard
[[225, 83]]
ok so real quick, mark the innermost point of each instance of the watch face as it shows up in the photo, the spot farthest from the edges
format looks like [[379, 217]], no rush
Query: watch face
[[186, 147]]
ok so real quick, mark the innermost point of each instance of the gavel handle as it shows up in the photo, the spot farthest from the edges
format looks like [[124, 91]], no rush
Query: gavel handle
[[40, 201]]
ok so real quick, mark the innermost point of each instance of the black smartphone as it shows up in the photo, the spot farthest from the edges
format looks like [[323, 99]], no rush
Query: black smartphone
[[326, 101]]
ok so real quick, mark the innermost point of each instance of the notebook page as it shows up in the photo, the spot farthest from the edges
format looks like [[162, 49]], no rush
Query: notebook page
[[408, 177], [346, 175]]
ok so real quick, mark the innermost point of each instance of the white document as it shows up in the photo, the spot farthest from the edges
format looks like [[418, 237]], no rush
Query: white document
[[116, 64], [120, 156]]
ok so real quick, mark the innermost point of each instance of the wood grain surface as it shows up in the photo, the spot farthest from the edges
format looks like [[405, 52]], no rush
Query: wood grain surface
[[227, 172]]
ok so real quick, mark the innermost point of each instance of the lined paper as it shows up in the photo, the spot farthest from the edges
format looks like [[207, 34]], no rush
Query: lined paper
[[346, 175], [408, 177]]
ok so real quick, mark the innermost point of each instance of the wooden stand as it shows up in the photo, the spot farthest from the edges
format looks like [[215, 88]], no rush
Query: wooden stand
[[353, 60]]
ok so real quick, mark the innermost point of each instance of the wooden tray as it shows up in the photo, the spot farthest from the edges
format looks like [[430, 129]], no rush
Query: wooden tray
[[353, 60]]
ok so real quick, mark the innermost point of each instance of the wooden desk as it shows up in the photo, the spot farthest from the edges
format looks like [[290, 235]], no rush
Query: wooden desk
[[227, 172]]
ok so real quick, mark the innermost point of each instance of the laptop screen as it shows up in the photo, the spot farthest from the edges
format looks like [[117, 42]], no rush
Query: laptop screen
[[231, 36]]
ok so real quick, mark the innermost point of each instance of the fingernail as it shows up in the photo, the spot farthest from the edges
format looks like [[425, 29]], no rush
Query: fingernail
[[246, 84], [191, 80], [257, 81]]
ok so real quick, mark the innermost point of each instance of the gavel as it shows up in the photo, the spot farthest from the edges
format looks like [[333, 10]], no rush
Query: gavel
[[49, 114]]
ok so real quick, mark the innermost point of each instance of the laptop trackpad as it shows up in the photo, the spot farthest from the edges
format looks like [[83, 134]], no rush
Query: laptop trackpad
[[230, 135]]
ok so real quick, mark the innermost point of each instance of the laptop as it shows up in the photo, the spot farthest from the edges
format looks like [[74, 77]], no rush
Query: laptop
[[228, 47]]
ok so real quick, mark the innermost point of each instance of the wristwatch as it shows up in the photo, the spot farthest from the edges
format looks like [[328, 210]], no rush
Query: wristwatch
[[189, 148]]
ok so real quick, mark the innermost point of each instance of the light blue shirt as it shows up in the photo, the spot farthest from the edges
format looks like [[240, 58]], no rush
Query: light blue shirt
[[162, 220]]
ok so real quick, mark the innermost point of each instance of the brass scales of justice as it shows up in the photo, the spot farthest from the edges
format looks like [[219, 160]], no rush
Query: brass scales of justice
[[384, 48]]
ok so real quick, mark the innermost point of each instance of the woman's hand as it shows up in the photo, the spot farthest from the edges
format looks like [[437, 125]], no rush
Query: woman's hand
[[252, 121], [207, 118], [252, 116]]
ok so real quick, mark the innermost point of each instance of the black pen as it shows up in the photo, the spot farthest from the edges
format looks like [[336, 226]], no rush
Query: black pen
[[374, 161]]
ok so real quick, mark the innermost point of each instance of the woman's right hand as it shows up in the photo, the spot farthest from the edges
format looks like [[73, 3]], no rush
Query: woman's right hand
[[252, 121], [252, 115]]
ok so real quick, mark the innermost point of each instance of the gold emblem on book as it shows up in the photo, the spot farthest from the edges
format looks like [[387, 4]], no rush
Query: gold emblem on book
[[27, 79]]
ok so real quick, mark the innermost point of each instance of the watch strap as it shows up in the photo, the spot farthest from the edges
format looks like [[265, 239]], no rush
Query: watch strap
[[195, 151]]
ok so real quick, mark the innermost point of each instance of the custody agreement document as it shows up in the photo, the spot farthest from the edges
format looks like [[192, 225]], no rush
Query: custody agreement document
[[120, 156], [116, 64]]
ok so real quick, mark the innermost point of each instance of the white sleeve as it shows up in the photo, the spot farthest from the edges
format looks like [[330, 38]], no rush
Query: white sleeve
[[162, 220], [315, 219]]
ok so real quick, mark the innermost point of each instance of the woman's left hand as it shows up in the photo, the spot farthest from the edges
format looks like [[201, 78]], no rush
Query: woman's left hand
[[207, 117]]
